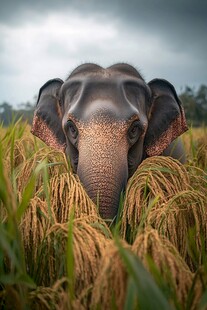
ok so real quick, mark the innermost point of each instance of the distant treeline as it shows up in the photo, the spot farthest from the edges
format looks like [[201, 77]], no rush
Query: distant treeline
[[195, 105], [8, 114], [194, 102]]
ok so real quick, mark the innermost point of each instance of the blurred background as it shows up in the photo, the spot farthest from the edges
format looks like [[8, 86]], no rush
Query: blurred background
[[40, 40]]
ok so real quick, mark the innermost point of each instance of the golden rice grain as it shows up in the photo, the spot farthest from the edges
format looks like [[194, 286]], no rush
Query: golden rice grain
[[90, 237], [176, 218], [198, 179], [201, 154], [156, 181], [109, 289], [33, 227], [55, 162], [167, 260], [66, 192], [22, 150], [46, 298]]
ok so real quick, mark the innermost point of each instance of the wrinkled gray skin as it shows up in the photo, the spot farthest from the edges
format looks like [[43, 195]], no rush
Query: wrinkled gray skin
[[108, 121]]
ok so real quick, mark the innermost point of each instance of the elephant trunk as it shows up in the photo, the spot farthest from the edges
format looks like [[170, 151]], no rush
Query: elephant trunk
[[103, 172]]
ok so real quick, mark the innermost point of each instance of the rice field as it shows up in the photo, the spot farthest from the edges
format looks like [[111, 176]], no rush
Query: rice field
[[57, 253]]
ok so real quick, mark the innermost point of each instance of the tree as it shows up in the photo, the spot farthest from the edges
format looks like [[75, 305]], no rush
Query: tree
[[195, 105], [201, 97], [6, 113]]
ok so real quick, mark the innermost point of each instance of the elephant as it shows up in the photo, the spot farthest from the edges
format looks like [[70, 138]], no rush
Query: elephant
[[107, 121]]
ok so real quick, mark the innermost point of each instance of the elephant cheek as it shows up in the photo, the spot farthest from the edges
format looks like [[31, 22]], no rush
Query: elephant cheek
[[104, 180]]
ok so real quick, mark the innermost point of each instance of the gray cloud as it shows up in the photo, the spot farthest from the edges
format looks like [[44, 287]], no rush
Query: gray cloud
[[162, 38]]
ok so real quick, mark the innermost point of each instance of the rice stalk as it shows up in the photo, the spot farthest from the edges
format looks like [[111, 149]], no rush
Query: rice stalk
[[47, 298], [89, 242], [10, 298], [66, 193], [33, 227], [138, 297], [55, 297], [19, 148], [175, 219], [3, 212], [167, 260], [13, 273], [26, 151], [156, 180], [198, 179], [23, 149], [109, 290], [17, 129], [201, 153], [200, 281], [56, 163]]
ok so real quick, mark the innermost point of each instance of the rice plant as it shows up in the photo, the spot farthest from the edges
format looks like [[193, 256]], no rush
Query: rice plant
[[57, 253]]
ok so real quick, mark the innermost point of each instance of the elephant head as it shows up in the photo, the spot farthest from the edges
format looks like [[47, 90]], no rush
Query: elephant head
[[107, 121]]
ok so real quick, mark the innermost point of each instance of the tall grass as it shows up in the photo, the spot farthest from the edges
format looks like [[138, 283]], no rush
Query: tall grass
[[14, 278], [57, 253]]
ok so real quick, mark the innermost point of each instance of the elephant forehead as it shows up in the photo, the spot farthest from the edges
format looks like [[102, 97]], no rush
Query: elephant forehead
[[105, 111], [124, 96]]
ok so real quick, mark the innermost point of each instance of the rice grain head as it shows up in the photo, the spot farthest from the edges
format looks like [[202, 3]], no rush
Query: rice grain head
[[33, 227], [167, 260], [55, 161], [10, 298], [175, 219], [90, 237], [46, 298], [67, 193], [201, 155], [23, 149], [156, 180], [198, 179], [109, 290]]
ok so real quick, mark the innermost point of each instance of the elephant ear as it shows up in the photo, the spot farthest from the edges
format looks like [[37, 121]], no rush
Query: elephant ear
[[47, 121], [166, 117]]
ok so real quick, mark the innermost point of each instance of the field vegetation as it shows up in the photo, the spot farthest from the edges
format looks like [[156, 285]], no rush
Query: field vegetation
[[57, 253]]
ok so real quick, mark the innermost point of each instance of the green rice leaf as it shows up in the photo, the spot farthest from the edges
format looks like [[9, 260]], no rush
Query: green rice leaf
[[148, 294]]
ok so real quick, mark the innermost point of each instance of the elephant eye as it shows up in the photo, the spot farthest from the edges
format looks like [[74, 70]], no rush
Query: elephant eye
[[73, 131], [134, 131]]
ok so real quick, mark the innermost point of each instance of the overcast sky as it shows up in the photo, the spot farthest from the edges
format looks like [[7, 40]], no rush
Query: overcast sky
[[43, 39]]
